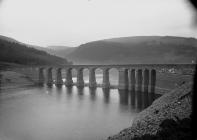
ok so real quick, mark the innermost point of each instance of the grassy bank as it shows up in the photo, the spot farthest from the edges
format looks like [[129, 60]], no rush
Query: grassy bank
[[13, 80]]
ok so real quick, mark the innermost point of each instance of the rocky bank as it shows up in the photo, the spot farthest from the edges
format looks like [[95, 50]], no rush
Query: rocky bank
[[175, 105]]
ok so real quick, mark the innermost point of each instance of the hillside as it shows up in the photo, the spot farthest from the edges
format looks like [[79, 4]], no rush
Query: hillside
[[139, 49], [60, 51], [13, 51]]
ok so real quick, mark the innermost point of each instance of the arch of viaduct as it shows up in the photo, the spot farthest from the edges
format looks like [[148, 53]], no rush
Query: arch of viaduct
[[130, 76]]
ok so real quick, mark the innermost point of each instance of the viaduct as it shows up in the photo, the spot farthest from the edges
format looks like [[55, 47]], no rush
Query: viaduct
[[131, 76], [136, 76]]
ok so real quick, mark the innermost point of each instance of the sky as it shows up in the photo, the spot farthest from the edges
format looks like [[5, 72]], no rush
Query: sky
[[74, 22]]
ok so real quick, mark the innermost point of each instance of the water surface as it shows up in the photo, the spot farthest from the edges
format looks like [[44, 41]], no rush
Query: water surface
[[51, 113]]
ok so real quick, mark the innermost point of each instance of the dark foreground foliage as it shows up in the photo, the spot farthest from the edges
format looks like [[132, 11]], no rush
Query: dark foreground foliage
[[171, 130]]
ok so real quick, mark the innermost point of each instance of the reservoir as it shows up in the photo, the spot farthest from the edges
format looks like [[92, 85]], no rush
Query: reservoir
[[52, 113]]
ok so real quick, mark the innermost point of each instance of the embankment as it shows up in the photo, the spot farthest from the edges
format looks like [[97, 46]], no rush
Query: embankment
[[13, 80], [175, 106]]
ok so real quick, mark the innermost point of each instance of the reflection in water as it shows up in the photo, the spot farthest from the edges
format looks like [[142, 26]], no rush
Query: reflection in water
[[123, 96], [72, 113], [132, 98], [151, 97], [106, 95], [49, 85], [137, 99], [145, 100], [92, 93], [69, 90], [80, 91], [132, 88], [58, 92], [49, 90]]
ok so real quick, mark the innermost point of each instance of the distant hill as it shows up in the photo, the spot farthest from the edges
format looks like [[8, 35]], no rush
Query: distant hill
[[16, 52], [138, 49], [61, 51], [57, 47]]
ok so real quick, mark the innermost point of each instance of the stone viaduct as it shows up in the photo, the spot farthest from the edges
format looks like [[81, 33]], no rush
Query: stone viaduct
[[134, 76]]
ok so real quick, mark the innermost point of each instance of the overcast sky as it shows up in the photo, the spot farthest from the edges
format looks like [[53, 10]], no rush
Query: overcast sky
[[73, 22]]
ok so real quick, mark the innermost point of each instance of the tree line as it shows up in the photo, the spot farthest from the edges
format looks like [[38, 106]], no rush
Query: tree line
[[14, 52]]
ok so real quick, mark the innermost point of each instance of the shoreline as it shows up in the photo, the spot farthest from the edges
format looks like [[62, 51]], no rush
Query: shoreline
[[175, 105], [11, 80]]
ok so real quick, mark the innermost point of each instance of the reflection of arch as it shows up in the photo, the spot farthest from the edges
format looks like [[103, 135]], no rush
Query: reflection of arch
[[151, 97], [146, 79], [123, 96], [92, 93], [140, 100], [132, 97], [145, 100], [106, 94], [153, 80], [58, 93], [69, 90], [80, 91]]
